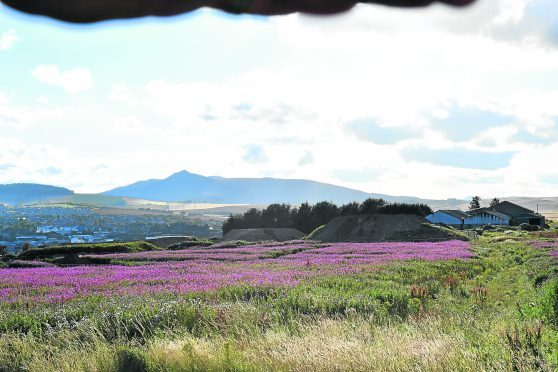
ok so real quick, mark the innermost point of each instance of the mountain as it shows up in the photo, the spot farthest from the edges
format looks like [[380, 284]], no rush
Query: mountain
[[188, 187], [192, 188], [21, 193]]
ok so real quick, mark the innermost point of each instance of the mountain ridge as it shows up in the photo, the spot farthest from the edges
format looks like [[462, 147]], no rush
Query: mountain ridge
[[234, 191], [186, 186]]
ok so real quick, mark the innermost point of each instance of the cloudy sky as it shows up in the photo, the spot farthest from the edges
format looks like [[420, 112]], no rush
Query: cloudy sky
[[433, 103]]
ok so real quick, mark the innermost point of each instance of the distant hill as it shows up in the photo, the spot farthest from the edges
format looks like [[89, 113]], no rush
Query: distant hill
[[227, 195], [23, 193], [188, 187]]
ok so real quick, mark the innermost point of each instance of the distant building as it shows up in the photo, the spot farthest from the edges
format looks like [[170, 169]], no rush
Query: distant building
[[502, 214], [28, 238], [64, 230], [77, 239], [452, 217]]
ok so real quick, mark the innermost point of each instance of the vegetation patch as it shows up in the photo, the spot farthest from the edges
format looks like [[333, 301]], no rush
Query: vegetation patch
[[494, 310], [97, 248], [307, 217]]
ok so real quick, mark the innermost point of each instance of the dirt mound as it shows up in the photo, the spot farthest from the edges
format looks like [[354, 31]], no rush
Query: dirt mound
[[256, 235], [381, 227]]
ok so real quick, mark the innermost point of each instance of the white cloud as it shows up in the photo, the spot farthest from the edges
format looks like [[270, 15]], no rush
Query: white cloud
[[398, 66], [120, 93], [8, 39], [133, 125], [21, 117], [407, 69], [73, 81]]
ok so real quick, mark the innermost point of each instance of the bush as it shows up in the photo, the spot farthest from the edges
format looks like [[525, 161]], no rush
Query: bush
[[98, 248], [233, 244], [28, 264], [131, 360], [191, 243], [527, 227]]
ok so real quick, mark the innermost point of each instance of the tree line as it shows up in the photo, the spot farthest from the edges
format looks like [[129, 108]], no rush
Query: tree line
[[308, 217], [476, 200]]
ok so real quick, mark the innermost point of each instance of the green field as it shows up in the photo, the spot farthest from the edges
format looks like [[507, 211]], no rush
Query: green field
[[497, 311]]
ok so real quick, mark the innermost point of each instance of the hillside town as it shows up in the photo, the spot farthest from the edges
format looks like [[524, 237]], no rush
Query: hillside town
[[42, 226]]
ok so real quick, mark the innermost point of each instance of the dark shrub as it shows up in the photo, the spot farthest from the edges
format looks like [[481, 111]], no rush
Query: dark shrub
[[527, 227], [131, 360]]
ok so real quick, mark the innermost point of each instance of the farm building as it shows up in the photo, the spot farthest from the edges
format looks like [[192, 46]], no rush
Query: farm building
[[502, 214], [486, 216], [452, 217], [519, 214]]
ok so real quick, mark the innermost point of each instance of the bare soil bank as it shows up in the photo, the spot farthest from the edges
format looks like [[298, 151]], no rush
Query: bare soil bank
[[380, 227]]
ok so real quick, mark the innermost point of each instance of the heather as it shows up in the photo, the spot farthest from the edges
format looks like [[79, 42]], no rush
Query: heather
[[544, 243], [199, 270], [489, 305]]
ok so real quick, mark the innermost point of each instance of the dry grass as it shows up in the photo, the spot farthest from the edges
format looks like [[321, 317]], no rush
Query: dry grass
[[552, 216], [330, 345]]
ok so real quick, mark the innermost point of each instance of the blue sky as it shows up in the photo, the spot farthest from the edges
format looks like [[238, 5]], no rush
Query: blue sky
[[407, 102]]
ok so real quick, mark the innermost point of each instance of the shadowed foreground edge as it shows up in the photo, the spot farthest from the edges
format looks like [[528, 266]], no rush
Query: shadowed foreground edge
[[85, 11]]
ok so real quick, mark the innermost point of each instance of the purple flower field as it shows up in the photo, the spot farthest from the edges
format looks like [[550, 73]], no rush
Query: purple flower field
[[206, 269], [544, 244]]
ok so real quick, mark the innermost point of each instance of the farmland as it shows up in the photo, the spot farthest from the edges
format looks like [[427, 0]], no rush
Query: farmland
[[302, 305]]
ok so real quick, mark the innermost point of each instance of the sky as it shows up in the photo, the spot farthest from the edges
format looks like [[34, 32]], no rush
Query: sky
[[435, 103]]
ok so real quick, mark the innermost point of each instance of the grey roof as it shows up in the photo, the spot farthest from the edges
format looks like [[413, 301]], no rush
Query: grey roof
[[455, 213], [477, 210], [489, 211], [511, 209]]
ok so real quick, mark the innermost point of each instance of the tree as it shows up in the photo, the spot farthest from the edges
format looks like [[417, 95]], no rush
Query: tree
[[276, 215], [349, 209], [371, 206], [235, 221], [301, 217], [252, 218], [494, 202], [475, 203], [322, 213]]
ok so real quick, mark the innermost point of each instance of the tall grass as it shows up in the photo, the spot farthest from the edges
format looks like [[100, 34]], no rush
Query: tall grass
[[497, 311]]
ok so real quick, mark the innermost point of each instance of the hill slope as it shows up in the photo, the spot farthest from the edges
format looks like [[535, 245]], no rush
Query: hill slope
[[381, 227], [185, 186], [18, 193]]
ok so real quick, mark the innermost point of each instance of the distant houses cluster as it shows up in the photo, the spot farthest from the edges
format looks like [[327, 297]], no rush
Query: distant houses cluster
[[501, 214]]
